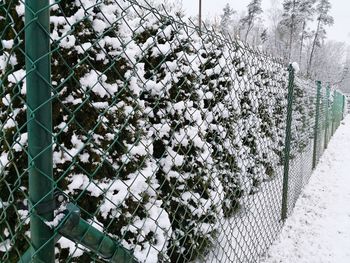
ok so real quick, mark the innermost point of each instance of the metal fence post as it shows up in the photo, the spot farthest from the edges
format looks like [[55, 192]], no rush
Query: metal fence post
[[318, 98], [81, 232], [334, 110], [343, 107], [287, 142], [339, 111], [39, 115], [327, 118]]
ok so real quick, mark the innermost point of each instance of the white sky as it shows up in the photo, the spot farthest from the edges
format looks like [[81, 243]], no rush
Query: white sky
[[340, 31]]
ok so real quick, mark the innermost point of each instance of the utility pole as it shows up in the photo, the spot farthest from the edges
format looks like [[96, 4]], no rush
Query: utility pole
[[200, 17]]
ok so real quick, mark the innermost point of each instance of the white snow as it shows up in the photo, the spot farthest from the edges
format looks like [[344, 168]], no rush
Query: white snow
[[75, 250], [97, 82], [240, 233], [7, 44], [99, 25], [20, 142], [7, 59], [81, 49], [68, 42], [17, 76], [3, 204], [56, 221], [296, 67], [319, 228], [5, 245], [20, 9], [3, 161], [6, 100]]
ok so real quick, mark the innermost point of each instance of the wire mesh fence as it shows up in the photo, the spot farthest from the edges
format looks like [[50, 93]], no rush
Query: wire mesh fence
[[129, 136]]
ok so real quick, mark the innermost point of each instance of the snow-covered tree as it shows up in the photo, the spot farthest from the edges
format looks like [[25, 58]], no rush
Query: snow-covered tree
[[296, 13], [273, 43], [248, 21], [323, 19], [290, 21], [344, 82], [226, 23], [174, 7], [307, 11], [330, 62]]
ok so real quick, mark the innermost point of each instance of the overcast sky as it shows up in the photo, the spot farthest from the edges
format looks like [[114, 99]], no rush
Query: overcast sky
[[340, 10]]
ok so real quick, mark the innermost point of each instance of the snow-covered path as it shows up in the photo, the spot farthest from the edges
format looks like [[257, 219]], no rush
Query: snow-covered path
[[318, 231]]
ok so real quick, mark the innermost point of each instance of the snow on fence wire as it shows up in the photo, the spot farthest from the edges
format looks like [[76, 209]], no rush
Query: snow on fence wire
[[127, 136]]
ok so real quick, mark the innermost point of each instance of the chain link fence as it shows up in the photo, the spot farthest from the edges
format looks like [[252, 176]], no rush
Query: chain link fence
[[129, 136]]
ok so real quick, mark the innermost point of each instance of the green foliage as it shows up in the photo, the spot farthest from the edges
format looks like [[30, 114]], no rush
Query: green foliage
[[158, 132]]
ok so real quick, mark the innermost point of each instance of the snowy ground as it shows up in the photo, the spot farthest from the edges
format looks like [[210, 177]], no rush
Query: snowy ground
[[318, 230]]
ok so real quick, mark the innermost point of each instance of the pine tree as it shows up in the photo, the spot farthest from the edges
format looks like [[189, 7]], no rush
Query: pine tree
[[323, 19], [254, 10], [290, 21], [294, 19], [226, 22], [307, 11], [274, 15]]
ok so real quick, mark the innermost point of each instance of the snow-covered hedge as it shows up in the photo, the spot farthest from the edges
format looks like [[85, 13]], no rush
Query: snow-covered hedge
[[158, 131], [304, 109]]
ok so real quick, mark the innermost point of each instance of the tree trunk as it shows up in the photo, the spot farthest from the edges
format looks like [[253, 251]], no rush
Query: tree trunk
[[291, 40], [291, 33], [313, 48], [200, 17], [248, 30], [302, 42]]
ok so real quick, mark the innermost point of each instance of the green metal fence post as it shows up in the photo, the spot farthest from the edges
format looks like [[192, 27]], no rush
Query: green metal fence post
[[334, 110], [287, 143], [340, 104], [327, 118], [39, 114], [343, 107], [81, 232], [318, 98]]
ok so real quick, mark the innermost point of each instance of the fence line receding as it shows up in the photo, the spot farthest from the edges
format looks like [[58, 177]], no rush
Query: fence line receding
[[127, 136]]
